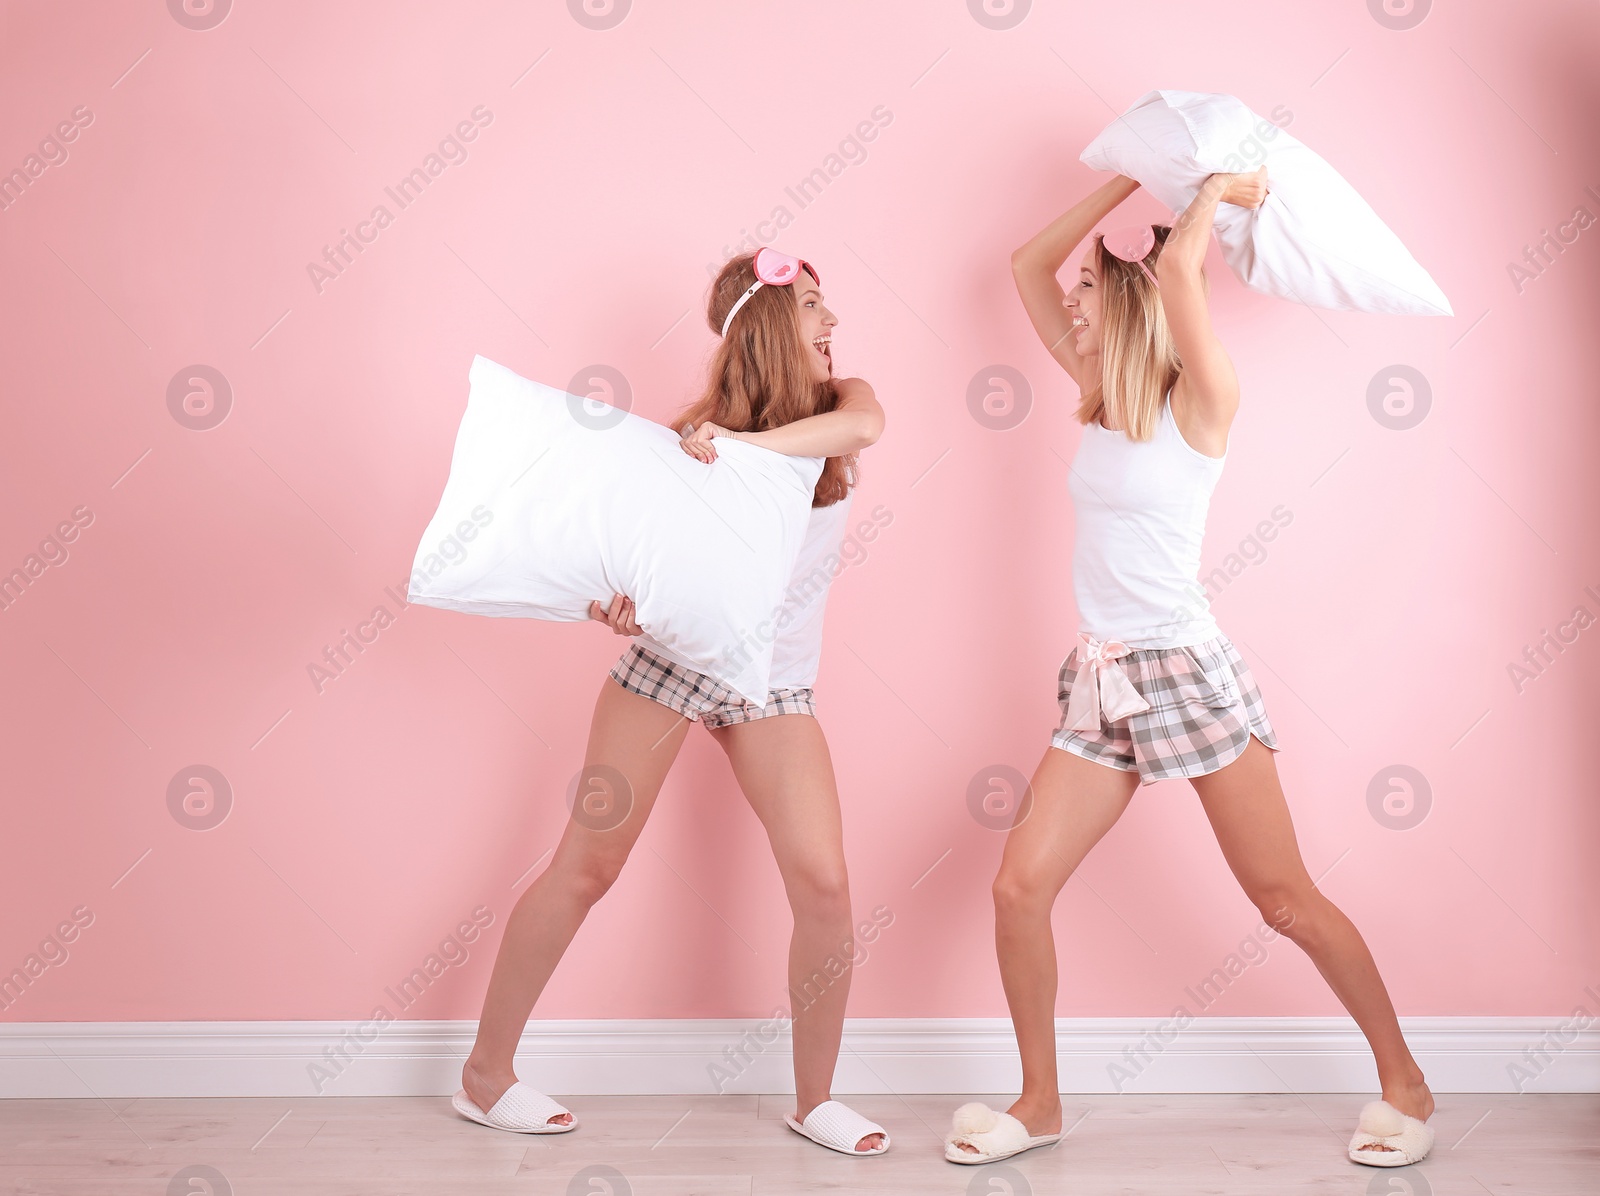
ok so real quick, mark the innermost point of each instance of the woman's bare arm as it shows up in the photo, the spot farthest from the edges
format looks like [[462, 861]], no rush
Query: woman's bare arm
[[850, 427], [1035, 265], [1208, 395]]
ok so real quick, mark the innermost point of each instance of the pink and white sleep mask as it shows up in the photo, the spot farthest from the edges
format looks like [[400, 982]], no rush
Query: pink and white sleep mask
[[772, 269], [1132, 244]]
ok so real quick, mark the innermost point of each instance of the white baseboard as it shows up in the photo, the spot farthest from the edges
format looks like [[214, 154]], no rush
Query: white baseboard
[[904, 1055]]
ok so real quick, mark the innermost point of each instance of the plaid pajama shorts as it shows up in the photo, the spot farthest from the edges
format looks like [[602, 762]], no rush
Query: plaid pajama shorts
[[696, 696], [1204, 706]]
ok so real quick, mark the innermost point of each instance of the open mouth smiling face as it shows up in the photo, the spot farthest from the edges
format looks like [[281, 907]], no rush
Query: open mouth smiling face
[[816, 324]]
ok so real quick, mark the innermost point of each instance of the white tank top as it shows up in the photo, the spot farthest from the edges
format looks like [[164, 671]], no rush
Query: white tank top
[[1141, 514], [797, 651]]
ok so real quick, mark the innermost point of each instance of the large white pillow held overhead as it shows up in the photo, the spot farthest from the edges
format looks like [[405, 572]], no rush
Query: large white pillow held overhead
[[1314, 240], [550, 505]]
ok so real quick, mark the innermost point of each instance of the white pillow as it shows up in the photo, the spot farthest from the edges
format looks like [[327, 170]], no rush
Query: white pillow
[[1313, 240], [553, 502]]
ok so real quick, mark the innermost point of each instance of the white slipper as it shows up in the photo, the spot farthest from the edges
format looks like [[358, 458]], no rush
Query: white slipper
[[522, 1110], [1382, 1123], [838, 1127], [996, 1135]]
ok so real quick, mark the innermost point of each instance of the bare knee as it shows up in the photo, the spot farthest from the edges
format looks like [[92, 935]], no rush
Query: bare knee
[[1019, 889], [1294, 911], [591, 878], [819, 890]]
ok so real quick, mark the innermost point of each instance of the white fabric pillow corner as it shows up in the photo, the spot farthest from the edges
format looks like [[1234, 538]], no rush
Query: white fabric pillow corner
[[549, 506], [1314, 240]]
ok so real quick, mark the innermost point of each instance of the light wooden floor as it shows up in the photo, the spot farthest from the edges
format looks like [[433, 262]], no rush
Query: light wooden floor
[[660, 1145]]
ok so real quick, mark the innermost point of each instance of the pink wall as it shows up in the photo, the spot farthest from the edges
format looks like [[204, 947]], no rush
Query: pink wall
[[609, 169]]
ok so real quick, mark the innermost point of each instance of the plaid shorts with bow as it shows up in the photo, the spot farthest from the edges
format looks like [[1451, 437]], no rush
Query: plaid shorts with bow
[[1203, 708]]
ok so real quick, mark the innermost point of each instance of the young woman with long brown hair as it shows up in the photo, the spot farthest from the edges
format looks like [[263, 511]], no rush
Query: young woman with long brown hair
[[770, 383], [1154, 689]]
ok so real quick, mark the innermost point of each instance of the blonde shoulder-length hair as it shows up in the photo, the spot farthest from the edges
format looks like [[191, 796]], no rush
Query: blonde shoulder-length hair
[[1138, 360]]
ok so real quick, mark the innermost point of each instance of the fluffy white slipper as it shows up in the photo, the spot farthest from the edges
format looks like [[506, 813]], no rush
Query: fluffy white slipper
[[838, 1127], [996, 1135], [522, 1110], [1381, 1122]]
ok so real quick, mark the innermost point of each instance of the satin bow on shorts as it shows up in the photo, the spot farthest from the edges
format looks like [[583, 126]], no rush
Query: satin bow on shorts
[[1160, 712], [1101, 689]]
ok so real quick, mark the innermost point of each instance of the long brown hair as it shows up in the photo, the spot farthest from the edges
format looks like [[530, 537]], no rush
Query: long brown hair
[[759, 377], [1138, 360]]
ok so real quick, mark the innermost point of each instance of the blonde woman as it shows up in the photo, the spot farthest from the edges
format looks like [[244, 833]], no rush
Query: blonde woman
[[1154, 689], [771, 383]]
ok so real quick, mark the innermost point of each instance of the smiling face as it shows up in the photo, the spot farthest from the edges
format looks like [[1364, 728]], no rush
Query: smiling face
[[1083, 305], [816, 326]]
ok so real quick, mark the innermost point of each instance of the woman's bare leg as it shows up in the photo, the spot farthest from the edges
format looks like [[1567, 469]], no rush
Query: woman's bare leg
[[1074, 803], [1245, 804], [783, 766], [639, 739]]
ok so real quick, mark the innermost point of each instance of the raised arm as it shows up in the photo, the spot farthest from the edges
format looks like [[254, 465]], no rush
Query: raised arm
[[1207, 394], [1035, 265], [851, 426]]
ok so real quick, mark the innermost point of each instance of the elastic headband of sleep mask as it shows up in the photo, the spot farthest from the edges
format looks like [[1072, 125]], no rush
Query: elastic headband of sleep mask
[[1132, 244], [772, 269]]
